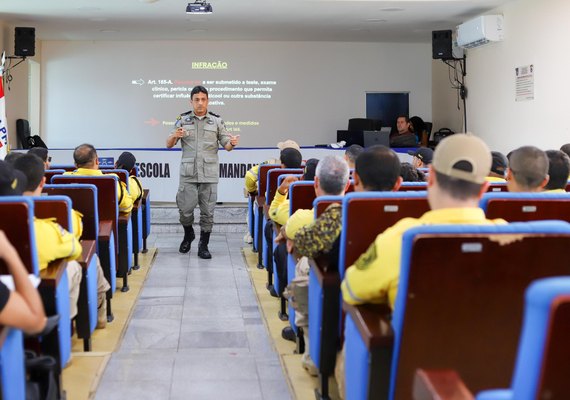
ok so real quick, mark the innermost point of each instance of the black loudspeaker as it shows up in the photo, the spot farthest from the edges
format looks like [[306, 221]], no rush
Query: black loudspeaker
[[441, 45], [25, 42]]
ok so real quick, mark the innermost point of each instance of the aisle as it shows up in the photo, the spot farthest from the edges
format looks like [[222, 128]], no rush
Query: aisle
[[196, 332]]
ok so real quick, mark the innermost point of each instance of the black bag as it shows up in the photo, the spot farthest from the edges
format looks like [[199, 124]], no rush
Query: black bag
[[41, 383], [441, 134], [35, 141]]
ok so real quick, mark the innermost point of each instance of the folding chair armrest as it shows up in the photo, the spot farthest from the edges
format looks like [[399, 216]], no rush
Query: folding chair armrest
[[105, 229], [53, 273], [439, 385], [89, 249], [373, 322]]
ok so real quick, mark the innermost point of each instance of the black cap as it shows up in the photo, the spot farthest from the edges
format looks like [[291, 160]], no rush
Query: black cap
[[500, 163], [126, 161], [12, 181], [423, 153]]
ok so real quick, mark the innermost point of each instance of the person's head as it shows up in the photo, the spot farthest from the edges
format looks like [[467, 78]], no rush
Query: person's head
[[42, 153], [422, 157], [290, 158], [199, 99], [288, 144], [377, 169], [332, 176], [499, 165], [33, 168], [126, 161], [310, 169], [12, 156], [565, 149], [461, 162], [528, 170], [352, 153], [409, 173], [85, 156], [403, 124], [12, 181], [558, 169]]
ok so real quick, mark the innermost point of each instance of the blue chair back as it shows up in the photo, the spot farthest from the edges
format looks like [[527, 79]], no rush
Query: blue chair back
[[520, 207]]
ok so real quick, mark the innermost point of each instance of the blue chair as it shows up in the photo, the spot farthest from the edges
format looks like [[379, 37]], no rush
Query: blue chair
[[542, 362], [412, 186], [519, 207], [457, 284], [12, 369]]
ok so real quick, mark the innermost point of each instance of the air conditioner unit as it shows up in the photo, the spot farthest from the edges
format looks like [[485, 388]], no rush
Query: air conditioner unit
[[480, 31]]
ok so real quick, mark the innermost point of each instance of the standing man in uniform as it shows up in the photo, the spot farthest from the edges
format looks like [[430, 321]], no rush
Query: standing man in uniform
[[200, 132]]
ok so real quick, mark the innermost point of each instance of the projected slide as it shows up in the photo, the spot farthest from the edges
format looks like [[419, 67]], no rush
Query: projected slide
[[129, 94]]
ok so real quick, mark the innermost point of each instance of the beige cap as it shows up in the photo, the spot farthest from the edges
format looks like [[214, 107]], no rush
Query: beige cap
[[288, 144], [463, 156]]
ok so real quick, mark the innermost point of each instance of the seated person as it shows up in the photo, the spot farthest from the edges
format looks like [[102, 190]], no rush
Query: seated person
[[409, 173], [498, 167], [251, 176], [422, 157], [528, 170], [310, 169], [404, 135], [558, 171], [43, 154], [456, 182], [565, 148], [21, 308], [87, 163], [127, 161], [377, 169], [352, 153], [53, 242]]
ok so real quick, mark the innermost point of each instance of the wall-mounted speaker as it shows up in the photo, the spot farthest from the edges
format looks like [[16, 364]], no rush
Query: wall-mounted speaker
[[441, 45], [25, 42]]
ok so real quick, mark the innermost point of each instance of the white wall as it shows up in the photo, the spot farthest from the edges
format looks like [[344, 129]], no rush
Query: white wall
[[536, 32], [444, 100], [88, 96]]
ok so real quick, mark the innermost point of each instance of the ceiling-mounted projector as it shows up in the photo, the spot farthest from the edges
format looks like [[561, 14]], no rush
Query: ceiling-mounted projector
[[199, 7]]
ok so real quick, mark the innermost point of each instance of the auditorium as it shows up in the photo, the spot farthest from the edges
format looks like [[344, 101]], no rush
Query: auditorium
[[279, 200]]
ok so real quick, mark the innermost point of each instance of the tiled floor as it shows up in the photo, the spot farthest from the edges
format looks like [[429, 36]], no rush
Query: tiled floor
[[196, 332]]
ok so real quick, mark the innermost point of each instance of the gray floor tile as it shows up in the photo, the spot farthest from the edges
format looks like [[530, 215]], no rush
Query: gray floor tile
[[212, 311], [151, 334], [140, 390], [213, 367], [206, 324], [160, 301], [213, 340], [156, 367], [213, 390], [158, 312], [275, 390], [176, 291]]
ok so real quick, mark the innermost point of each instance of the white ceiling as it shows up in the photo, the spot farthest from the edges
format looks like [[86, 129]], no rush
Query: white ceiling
[[287, 20]]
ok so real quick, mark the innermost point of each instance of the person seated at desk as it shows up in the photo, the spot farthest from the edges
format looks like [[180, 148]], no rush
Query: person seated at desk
[[528, 170], [53, 242], [404, 135], [456, 182], [87, 163], [558, 171], [127, 161]]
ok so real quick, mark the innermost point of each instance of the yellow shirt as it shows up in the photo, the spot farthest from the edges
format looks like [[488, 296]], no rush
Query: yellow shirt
[[77, 223], [555, 191], [135, 188], [494, 179], [375, 275], [53, 242], [298, 220], [279, 209], [252, 176], [125, 201]]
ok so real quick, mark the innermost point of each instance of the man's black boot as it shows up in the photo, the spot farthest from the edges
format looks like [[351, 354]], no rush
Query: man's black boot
[[203, 251], [189, 236]]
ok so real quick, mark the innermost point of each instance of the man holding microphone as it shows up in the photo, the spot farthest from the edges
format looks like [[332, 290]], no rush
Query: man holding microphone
[[200, 133]]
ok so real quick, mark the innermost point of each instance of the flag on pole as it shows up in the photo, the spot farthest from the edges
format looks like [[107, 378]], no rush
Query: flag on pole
[[3, 123]]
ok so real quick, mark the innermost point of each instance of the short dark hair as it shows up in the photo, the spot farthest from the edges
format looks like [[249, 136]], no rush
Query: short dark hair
[[529, 166], [291, 158], [310, 169], [403, 116], [41, 152], [84, 154], [33, 167], [353, 151], [12, 156], [558, 169], [458, 189], [378, 168], [565, 149], [409, 173], [198, 89]]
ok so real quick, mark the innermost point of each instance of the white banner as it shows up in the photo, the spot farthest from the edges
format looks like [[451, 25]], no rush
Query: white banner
[[3, 122], [159, 168]]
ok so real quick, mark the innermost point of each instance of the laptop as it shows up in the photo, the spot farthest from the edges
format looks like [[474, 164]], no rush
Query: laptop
[[372, 138]]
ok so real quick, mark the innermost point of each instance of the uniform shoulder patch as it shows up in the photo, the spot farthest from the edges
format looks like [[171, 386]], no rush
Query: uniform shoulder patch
[[186, 113], [367, 258], [214, 114]]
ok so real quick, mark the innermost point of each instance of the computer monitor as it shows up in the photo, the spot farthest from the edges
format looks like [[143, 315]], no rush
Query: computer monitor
[[372, 138]]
